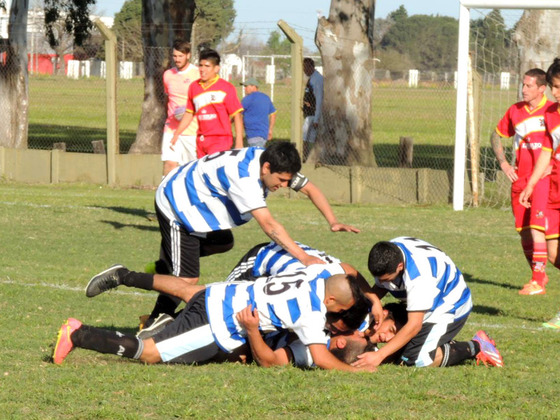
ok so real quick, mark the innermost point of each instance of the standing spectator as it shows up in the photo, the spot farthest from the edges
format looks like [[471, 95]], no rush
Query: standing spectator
[[312, 103], [213, 102], [524, 121], [259, 114], [176, 82]]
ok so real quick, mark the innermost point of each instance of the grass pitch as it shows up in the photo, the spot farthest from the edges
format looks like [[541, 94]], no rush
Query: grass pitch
[[55, 237]]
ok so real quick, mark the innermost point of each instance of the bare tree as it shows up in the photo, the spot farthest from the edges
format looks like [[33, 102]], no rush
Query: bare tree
[[162, 22], [13, 79], [345, 41], [537, 38]]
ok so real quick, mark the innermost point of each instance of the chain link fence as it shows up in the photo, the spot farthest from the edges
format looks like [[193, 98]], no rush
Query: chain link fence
[[413, 112]]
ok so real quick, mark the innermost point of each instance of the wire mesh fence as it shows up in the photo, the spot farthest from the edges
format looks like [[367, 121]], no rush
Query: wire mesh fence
[[67, 103]]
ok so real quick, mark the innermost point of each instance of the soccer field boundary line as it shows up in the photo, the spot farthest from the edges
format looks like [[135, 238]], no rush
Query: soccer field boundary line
[[8, 281], [65, 287]]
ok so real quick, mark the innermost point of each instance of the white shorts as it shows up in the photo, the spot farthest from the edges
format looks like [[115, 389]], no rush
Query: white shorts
[[309, 132], [183, 151]]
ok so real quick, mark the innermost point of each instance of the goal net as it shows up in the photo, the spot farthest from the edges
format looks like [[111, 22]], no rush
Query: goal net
[[493, 65]]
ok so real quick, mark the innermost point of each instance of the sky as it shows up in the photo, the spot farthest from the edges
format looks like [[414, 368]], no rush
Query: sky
[[259, 17]]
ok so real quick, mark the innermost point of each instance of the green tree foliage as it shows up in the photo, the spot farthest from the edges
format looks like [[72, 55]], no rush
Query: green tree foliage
[[429, 42], [277, 44], [398, 15], [128, 29], [75, 16], [213, 21], [490, 40]]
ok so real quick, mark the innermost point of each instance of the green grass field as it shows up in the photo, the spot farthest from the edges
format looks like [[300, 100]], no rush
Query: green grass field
[[55, 237]]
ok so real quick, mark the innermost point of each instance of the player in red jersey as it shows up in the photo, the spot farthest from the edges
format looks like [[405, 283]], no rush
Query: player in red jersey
[[552, 143], [524, 121], [213, 102]]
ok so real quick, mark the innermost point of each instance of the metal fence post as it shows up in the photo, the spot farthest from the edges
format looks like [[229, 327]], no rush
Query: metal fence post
[[297, 83], [112, 120]]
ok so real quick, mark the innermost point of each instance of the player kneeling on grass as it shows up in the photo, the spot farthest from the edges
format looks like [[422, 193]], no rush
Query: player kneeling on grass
[[438, 305], [208, 327]]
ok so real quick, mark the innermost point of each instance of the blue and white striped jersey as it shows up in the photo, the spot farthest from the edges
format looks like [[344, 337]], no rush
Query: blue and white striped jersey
[[271, 259], [218, 191], [215, 192], [289, 301], [430, 282]]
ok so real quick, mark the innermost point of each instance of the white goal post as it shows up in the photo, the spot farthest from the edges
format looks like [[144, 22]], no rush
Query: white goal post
[[462, 66]]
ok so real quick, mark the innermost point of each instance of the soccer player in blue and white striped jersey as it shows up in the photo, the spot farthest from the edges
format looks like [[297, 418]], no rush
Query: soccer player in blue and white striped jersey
[[197, 204], [438, 304], [208, 327]]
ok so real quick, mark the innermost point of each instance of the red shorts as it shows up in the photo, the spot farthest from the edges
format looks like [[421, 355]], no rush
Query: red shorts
[[533, 217], [206, 145], [552, 224]]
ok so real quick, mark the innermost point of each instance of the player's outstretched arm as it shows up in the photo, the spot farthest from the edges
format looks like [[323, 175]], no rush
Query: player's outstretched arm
[[238, 124], [278, 234], [324, 359], [320, 201], [538, 172], [262, 353]]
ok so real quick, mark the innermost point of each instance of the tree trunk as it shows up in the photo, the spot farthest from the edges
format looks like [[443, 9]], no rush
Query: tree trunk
[[14, 80], [345, 41], [534, 35], [162, 23]]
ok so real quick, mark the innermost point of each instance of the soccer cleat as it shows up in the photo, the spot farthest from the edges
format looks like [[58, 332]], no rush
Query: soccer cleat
[[64, 344], [106, 280], [532, 288], [553, 323], [157, 326], [488, 354]]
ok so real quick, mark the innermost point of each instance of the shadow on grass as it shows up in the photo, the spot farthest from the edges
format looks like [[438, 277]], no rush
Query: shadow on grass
[[127, 210], [487, 310], [118, 225], [469, 279], [77, 139]]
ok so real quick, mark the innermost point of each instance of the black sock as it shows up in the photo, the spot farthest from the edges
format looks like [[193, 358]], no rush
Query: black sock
[[139, 280], [456, 352], [105, 341], [165, 304]]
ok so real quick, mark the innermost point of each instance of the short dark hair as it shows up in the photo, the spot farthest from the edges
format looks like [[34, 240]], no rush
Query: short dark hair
[[538, 74], [210, 55], [398, 313], [553, 71], [182, 46], [282, 157], [349, 354], [384, 258], [309, 62]]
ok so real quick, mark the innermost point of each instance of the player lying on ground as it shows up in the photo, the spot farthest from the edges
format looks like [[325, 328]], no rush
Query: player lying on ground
[[438, 305], [208, 327], [198, 204]]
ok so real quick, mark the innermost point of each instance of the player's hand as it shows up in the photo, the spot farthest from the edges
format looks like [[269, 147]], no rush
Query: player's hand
[[269, 134], [310, 260], [525, 196], [368, 360], [173, 141], [248, 318], [509, 171], [341, 227]]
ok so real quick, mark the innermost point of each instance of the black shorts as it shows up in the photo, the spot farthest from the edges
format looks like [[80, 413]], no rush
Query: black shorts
[[421, 350], [181, 251], [243, 270], [188, 339]]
